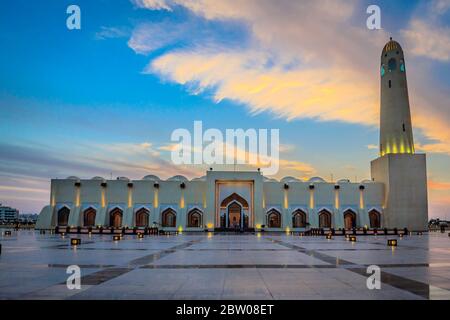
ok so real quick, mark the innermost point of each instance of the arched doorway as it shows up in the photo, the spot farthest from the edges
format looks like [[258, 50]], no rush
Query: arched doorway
[[115, 218], [142, 216], [63, 216], [235, 208], [194, 218], [375, 219], [169, 218], [349, 219], [89, 217], [324, 219], [273, 219], [234, 215], [299, 219]]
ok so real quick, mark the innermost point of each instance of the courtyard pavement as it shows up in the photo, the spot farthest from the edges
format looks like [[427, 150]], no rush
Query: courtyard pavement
[[212, 266]]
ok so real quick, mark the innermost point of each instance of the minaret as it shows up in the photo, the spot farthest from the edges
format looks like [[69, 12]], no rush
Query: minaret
[[402, 171], [395, 117]]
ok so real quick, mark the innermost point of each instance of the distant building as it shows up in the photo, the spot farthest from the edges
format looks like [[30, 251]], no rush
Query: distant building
[[28, 217], [8, 214]]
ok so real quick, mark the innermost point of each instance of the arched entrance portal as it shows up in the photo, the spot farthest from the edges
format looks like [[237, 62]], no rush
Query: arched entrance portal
[[375, 220], [235, 208], [115, 218], [234, 215], [349, 219]]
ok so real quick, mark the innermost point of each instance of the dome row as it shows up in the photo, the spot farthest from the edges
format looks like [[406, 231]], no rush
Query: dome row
[[181, 178]]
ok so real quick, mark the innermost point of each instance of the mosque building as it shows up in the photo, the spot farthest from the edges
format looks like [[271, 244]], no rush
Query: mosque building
[[395, 197]]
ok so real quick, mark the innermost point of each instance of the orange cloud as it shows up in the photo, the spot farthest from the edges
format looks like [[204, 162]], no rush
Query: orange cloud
[[436, 185]]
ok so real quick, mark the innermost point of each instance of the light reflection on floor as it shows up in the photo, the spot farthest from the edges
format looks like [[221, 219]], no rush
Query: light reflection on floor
[[211, 266]]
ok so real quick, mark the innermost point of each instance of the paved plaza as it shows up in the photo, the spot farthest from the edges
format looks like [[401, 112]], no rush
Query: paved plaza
[[212, 266]]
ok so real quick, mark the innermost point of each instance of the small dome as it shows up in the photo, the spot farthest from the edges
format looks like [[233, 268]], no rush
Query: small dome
[[391, 46], [266, 179], [316, 179], [123, 178], [72, 178], [344, 181], [178, 178], [97, 178], [289, 179], [151, 177]]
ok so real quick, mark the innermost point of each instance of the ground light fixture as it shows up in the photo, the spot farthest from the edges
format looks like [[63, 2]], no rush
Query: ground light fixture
[[329, 236], [75, 241], [117, 238], [352, 238], [392, 242], [140, 235]]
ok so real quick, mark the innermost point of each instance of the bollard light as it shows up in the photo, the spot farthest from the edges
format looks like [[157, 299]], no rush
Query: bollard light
[[140, 235], [347, 236], [400, 235], [63, 234], [392, 242], [117, 238], [7, 233], [352, 238], [329, 236], [75, 241]]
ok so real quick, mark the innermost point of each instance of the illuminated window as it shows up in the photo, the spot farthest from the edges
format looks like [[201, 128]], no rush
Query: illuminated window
[[142, 216], [374, 217], [169, 218], [299, 219], [324, 219], [89, 217], [274, 219], [194, 218], [382, 71], [115, 218], [349, 219], [402, 65]]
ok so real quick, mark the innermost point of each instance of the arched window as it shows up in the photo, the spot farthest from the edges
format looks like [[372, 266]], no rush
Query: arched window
[[142, 217], [382, 71], [324, 219], [392, 64], [63, 216], [115, 218], [402, 65], [375, 219], [169, 218], [89, 217], [274, 219], [349, 219], [194, 218], [299, 219]]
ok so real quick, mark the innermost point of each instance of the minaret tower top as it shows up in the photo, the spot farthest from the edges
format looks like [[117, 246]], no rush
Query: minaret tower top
[[395, 116]]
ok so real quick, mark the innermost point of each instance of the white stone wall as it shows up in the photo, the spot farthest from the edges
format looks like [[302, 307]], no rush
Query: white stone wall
[[129, 196]]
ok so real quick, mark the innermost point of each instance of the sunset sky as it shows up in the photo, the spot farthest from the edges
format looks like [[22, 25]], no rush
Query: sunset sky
[[104, 100]]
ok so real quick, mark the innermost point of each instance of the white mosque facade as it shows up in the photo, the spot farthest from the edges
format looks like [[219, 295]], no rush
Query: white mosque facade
[[395, 197]]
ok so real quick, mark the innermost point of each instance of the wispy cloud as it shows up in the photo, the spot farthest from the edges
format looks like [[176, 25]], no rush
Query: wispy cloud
[[112, 33], [287, 70]]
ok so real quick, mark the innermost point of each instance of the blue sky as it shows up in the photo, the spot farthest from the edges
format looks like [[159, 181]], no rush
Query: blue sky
[[107, 97]]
